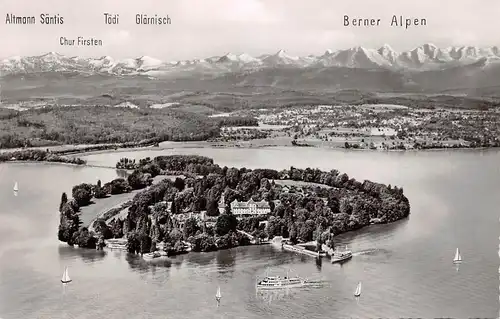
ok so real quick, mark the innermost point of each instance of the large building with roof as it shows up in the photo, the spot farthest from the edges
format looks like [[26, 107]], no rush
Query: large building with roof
[[250, 208]]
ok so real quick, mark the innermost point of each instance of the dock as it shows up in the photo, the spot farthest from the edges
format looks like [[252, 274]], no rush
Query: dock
[[300, 250], [118, 243]]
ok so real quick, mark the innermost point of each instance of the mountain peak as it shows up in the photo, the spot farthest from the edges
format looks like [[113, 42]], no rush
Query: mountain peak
[[146, 57], [281, 52], [52, 53], [360, 49], [386, 47], [228, 57], [424, 57], [429, 45], [246, 58], [427, 48]]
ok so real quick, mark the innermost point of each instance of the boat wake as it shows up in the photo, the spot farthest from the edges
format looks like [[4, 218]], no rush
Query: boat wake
[[314, 284], [372, 252], [280, 294]]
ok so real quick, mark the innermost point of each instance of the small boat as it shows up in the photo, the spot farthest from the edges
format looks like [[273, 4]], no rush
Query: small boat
[[357, 293], [218, 296], [65, 278], [154, 255], [339, 256], [16, 187], [458, 257]]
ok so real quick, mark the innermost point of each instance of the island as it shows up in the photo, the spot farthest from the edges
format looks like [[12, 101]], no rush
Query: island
[[188, 203]]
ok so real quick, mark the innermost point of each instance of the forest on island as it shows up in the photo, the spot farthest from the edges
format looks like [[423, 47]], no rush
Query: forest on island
[[319, 206]]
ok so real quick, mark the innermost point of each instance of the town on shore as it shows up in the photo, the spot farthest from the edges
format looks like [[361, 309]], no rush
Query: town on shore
[[188, 203], [364, 126]]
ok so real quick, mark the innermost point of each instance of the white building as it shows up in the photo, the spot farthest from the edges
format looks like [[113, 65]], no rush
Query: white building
[[245, 209]]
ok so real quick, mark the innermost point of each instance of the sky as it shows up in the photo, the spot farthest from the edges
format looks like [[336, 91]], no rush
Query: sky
[[203, 28]]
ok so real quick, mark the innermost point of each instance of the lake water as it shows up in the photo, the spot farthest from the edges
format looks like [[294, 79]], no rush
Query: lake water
[[406, 267]]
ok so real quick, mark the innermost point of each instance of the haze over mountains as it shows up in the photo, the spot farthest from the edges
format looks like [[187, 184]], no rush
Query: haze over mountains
[[425, 69], [423, 58]]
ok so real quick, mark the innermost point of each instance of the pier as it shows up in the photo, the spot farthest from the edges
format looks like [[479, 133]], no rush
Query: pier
[[301, 250], [116, 243]]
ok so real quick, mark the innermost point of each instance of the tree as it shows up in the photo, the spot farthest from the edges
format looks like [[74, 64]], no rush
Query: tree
[[190, 227], [306, 231], [103, 229], [179, 183], [293, 234], [213, 208], [225, 223], [64, 200], [330, 242], [133, 243], [173, 208], [117, 186], [85, 239], [117, 228], [138, 180], [82, 194], [319, 244], [69, 223], [174, 236], [100, 243], [203, 242], [99, 191]]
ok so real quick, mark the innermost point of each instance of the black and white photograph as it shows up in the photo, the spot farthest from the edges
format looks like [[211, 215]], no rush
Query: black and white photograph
[[249, 159]]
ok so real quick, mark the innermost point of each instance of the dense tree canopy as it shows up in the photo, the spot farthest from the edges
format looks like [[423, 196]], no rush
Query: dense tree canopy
[[317, 205], [88, 124]]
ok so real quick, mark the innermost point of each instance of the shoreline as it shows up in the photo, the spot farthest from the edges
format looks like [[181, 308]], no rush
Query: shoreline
[[186, 145], [59, 163], [224, 145]]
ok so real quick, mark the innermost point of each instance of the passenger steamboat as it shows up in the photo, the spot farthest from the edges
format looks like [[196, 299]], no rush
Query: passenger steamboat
[[340, 256], [278, 282]]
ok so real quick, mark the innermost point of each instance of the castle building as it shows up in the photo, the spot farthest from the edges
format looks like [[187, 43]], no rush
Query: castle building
[[250, 208]]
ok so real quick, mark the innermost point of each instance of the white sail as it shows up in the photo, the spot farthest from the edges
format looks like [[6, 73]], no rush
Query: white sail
[[16, 187], [65, 278], [218, 295], [457, 258], [357, 293]]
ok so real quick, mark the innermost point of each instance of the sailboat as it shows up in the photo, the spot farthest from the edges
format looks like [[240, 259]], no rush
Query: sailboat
[[218, 296], [16, 187], [458, 257], [357, 293], [65, 278]]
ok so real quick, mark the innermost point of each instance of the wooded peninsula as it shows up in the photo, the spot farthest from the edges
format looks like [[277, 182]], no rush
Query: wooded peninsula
[[194, 207]]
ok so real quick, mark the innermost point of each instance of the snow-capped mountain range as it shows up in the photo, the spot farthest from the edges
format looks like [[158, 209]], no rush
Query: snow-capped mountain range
[[423, 58]]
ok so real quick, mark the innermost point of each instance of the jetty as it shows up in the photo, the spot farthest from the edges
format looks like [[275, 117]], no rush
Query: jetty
[[301, 250], [283, 243], [254, 240], [116, 243]]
